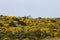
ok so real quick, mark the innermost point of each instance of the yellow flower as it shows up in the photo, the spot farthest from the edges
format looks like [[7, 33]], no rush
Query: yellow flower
[[6, 38], [44, 29], [17, 39], [55, 33], [12, 29], [20, 29], [26, 39], [6, 25]]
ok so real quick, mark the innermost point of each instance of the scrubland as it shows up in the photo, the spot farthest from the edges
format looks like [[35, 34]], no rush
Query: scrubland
[[27, 28]]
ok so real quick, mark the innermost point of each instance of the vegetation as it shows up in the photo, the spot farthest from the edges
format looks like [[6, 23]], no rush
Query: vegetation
[[26, 28]]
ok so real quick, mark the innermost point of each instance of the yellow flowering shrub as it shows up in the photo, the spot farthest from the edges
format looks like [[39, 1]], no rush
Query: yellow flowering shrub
[[26, 28]]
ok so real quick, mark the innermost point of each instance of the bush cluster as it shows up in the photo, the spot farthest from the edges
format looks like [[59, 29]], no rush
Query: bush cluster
[[25, 28]]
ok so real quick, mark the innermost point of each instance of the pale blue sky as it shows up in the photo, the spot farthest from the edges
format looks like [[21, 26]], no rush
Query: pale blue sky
[[35, 8]]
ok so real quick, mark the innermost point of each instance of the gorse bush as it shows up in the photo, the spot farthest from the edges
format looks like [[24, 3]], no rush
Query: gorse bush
[[25, 28]]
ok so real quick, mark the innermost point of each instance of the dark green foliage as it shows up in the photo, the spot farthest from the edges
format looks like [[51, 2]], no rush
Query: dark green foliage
[[12, 24]]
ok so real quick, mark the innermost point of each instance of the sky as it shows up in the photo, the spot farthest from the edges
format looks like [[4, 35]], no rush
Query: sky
[[33, 8]]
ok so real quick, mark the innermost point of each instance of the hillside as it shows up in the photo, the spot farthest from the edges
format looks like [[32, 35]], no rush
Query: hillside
[[26, 28]]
